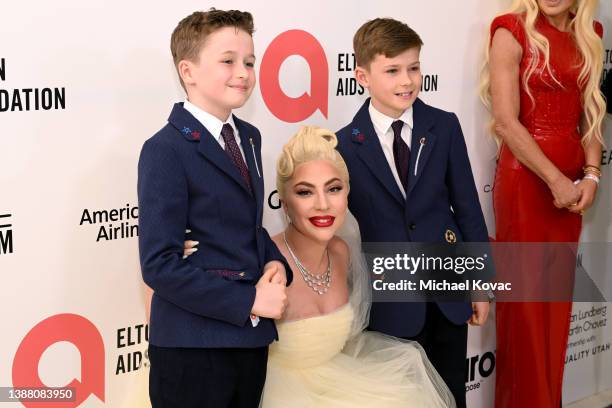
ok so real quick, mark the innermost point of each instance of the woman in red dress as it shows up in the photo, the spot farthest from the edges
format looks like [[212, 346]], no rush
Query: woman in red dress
[[541, 81]]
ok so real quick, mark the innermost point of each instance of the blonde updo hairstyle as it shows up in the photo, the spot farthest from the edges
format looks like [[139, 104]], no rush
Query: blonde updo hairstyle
[[308, 144]]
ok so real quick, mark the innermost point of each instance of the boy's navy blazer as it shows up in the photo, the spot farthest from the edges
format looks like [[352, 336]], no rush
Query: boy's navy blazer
[[442, 196], [187, 181]]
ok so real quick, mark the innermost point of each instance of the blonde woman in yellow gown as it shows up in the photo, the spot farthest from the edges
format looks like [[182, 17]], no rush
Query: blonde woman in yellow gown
[[324, 358]]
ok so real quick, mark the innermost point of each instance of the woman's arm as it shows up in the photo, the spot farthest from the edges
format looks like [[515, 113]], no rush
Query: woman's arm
[[504, 60], [588, 187]]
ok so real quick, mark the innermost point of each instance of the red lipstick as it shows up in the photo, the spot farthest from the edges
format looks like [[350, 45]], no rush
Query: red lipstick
[[323, 221]]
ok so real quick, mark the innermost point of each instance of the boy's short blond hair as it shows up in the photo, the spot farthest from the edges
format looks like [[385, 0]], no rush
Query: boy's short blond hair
[[191, 32], [384, 36]]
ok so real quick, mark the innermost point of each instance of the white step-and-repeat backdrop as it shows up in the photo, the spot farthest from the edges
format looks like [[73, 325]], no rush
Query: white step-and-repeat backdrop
[[83, 84]]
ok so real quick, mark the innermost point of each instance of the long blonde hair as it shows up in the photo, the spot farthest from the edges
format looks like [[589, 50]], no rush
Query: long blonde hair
[[591, 50]]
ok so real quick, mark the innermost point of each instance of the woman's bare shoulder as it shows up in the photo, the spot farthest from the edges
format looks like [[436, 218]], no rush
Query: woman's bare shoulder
[[338, 247], [340, 253]]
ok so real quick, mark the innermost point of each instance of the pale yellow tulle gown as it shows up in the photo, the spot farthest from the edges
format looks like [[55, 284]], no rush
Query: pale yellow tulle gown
[[316, 365]]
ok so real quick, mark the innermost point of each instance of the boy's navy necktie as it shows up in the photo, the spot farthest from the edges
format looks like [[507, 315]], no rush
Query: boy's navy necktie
[[233, 151], [401, 152]]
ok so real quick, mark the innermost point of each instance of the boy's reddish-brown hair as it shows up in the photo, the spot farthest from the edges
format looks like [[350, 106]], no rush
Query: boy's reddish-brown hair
[[384, 36], [191, 32]]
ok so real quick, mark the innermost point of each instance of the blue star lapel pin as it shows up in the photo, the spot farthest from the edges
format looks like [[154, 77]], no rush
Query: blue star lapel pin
[[357, 135]]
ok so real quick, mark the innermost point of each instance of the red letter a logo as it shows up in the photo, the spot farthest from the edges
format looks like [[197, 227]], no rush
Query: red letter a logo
[[63, 327], [287, 109]]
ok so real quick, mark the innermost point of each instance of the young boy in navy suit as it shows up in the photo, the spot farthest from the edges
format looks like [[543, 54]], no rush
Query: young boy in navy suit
[[411, 181], [211, 314]]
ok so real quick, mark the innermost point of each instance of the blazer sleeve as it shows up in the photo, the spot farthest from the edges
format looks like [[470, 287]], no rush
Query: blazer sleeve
[[163, 210], [274, 254], [462, 189], [466, 206]]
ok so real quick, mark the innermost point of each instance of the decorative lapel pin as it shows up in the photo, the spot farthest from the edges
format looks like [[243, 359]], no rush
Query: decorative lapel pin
[[422, 143], [450, 237], [357, 135], [188, 132], [254, 156]]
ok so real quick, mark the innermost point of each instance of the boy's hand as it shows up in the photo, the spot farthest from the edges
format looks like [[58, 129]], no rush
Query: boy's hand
[[280, 274], [481, 312], [270, 297]]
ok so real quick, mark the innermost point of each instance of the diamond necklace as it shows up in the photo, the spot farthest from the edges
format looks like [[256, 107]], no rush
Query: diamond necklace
[[318, 283]]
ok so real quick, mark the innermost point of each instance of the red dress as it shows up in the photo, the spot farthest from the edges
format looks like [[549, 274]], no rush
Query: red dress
[[532, 337]]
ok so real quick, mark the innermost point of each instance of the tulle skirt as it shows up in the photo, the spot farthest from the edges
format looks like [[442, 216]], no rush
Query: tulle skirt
[[372, 370]]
